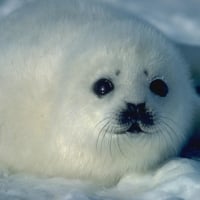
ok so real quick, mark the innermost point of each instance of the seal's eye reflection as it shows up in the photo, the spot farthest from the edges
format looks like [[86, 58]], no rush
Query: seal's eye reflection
[[102, 87], [159, 87]]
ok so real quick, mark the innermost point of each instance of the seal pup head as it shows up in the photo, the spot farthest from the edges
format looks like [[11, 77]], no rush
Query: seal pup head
[[97, 93], [134, 101]]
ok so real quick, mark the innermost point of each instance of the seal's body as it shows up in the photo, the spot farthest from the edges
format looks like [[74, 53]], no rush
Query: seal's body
[[88, 91]]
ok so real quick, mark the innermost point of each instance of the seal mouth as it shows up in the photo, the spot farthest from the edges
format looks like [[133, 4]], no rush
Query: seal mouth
[[135, 128]]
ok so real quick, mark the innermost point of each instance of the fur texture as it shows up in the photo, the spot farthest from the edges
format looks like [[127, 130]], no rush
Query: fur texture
[[52, 123]]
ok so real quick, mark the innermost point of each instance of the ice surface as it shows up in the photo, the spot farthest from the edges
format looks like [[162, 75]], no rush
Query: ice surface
[[176, 180]]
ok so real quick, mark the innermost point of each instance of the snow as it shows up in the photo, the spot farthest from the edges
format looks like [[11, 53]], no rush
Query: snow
[[179, 19], [176, 180], [8, 6]]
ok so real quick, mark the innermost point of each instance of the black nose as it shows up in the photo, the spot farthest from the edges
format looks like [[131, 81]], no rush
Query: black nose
[[134, 113], [136, 108]]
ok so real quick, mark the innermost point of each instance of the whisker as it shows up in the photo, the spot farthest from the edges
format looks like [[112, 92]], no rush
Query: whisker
[[170, 120], [119, 147], [100, 133], [110, 125], [104, 134], [169, 136]]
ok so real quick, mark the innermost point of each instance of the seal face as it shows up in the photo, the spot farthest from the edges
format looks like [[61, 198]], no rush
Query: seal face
[[88, 91], [134, 115]]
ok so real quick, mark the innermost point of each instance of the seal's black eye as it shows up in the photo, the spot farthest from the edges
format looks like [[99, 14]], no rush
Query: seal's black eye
[[102, 87], [159, 87]]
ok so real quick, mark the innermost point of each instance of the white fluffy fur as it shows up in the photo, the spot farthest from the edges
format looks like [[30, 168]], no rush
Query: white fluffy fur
[[50, 120]]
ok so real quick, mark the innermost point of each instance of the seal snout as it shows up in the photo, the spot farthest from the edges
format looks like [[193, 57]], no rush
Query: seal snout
[[136, 115]]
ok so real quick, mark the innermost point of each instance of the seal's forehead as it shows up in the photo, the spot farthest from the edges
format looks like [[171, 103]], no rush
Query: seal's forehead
[[126, 45]]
